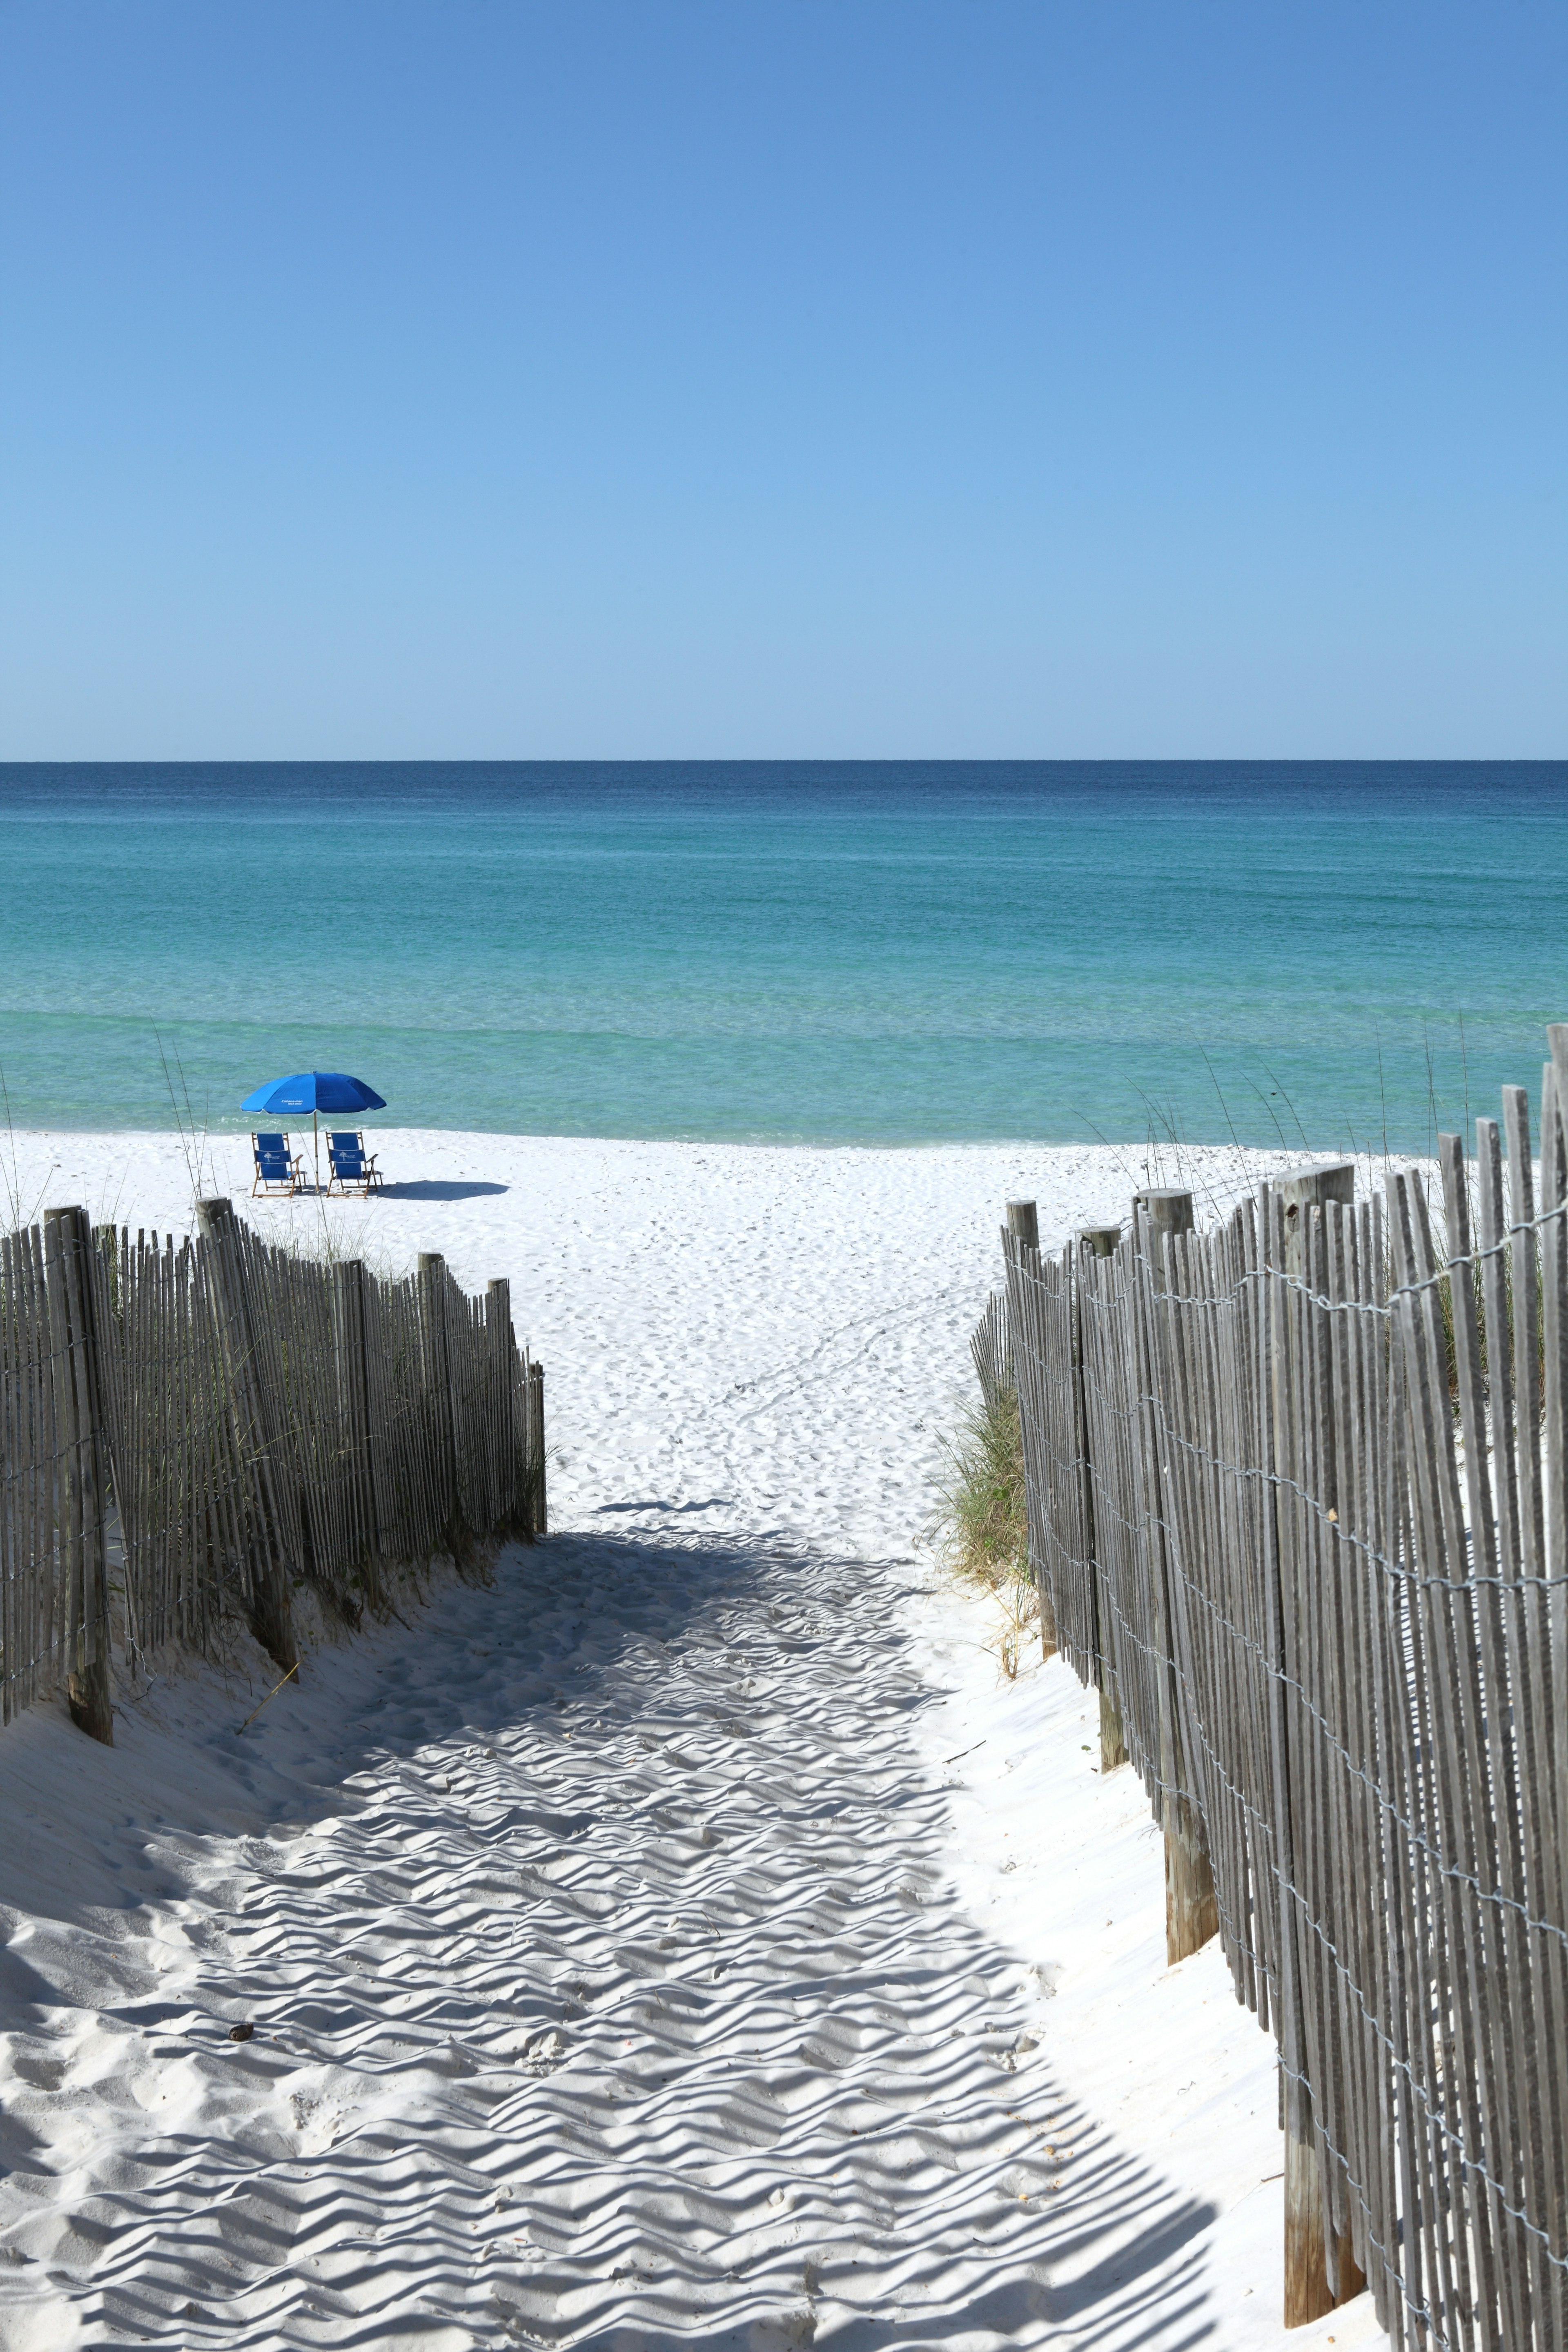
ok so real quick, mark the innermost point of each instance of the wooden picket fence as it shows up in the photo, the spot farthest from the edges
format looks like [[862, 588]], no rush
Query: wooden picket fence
[[1297, 1501], [991, 1349], [192, 1430]]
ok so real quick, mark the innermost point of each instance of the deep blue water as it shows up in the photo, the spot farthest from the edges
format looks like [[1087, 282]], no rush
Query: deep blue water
[[858, 953]]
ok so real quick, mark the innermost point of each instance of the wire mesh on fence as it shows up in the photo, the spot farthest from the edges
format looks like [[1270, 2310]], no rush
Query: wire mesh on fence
[[992, 1350], [211, 1423], [1298, 1490]]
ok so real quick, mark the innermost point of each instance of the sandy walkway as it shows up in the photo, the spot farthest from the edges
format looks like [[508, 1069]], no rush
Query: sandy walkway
[[606, 1986], [771, 1339], [686, 1940]]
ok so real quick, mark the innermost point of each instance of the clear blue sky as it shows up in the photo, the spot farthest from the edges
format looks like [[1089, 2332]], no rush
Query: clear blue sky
[[850, 378]]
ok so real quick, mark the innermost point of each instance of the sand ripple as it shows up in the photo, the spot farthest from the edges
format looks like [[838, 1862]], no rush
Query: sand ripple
[[609, 1992]]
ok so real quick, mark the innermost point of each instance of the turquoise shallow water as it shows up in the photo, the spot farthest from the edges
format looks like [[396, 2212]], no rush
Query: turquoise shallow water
[[868, 953]]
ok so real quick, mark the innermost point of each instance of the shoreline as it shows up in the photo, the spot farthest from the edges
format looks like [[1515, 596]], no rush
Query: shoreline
[[227, 1152], [229, 1138]]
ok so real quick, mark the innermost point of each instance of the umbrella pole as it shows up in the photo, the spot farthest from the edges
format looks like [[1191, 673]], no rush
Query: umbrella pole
[[316, 1148]]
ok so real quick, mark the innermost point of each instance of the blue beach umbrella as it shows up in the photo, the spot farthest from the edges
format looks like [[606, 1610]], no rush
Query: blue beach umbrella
[[315, 1091]]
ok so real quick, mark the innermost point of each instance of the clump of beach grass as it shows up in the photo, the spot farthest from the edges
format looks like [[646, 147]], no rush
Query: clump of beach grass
[[194, 1135], [334, 1239], [981, 1529]]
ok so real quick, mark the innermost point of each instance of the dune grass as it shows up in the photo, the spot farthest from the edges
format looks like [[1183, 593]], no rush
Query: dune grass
[[981, 1529]]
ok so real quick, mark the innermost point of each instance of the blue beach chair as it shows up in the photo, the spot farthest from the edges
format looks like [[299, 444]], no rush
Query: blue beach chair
[[276, 1170], [352, 1170]]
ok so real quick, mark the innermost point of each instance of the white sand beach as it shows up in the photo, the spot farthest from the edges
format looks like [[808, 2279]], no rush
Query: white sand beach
[[690, 1939]]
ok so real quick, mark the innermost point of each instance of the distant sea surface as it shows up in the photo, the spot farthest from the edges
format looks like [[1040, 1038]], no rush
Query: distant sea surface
[[885, 953]]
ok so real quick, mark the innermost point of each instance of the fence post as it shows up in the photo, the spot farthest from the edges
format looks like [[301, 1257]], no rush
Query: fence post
[[1023, 1219], [1168, 1208], [1301, 1189], [1306, 2284], [1099, 1240], [534, 1439], [271, 1616], [1112, 1735], [348, 1278], [1192, 1912], [509, 1449], [1024, 1223], [1310, 2293], [79, 1390], [438, 1359]]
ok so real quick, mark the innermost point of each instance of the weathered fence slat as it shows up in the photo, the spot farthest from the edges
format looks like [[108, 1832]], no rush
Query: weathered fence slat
[[212, 1425], [1297, 1492], [80, 1476]]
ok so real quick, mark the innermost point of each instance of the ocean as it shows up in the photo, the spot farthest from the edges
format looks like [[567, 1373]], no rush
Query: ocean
[[904, 952]]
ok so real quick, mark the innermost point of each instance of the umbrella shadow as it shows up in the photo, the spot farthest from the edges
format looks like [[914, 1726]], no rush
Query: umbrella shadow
[[434, 1189]]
